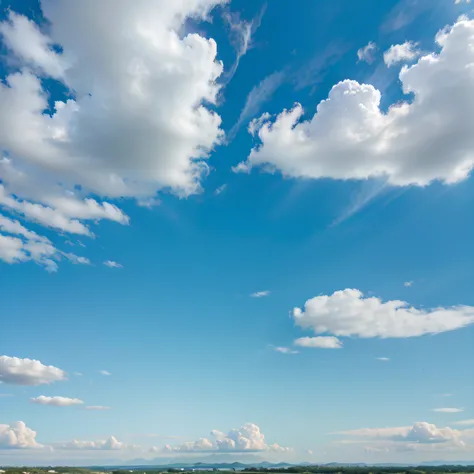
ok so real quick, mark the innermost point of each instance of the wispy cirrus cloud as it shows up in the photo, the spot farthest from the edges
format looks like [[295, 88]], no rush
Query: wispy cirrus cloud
[[112, 264], [448, 410], [285, 350], [464, 423], [260, 294], [241, 36], [257, 97]]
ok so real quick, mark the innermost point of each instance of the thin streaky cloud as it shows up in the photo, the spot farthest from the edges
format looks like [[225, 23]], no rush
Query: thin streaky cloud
[[259, 95], [220, 189], [285, 350], [448, 410], [112, 264], [464, 423], [241, 35], [104, 372], [367, 53], [260, 294], [155, 435], [367, 192]]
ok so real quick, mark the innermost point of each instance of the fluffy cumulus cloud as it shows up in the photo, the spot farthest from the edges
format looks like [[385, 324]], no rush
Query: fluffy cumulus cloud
[[246, 438], [348, 313], [18, 244], [17, 435], [56, 401], [398, 53], [109, 444], [28, 372], [367, 53], [416, 436], [426, 138], [134, 122], [321, 342]]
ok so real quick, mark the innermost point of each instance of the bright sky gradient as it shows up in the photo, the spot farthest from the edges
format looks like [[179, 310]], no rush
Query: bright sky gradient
[[236, 230]]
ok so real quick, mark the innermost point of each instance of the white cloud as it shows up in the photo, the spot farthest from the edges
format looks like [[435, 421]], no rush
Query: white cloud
[[138, 122], [149, 203], [348, 313], [321, 342], [241, 33], [408, 284], [18, 244], [109, 444], [367, 53], [259, 94], [220, 189], [112, 264], [104, 372], [448, 410], [35, 49], [17, 435], [386, 433], [398, 53], [419, 433], [285, 350], [97, 408], [457, 2], [56, 401], [246, 438], [260, 294], [383, 359], [61, 214], [28, 372], [414, 143], [464, 423], [202, 444], [77, 260]]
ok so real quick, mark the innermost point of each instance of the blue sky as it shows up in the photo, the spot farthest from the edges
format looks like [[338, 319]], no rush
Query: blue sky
[[153, 248]]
